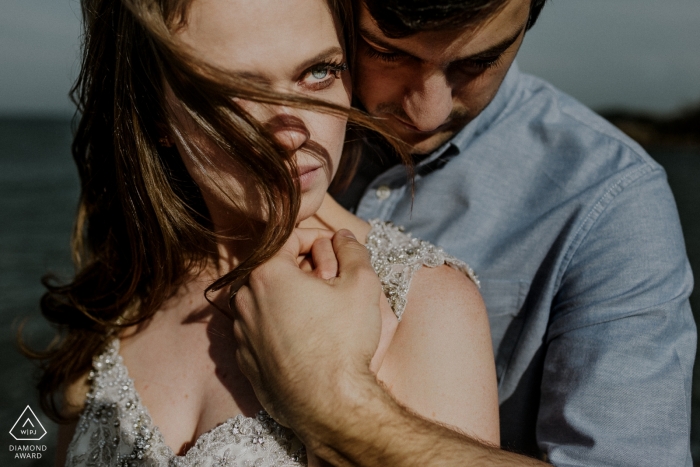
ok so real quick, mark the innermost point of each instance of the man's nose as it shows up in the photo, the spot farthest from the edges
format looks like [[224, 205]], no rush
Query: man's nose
[[289, 130], [429, 104]]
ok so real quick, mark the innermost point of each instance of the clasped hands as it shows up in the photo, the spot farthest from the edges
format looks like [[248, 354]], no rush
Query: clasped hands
[[312, 325]]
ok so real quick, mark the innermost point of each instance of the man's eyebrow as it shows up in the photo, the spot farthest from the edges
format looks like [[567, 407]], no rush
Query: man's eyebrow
[[498, 48], [369, 36], [491, 51], [323, 56]]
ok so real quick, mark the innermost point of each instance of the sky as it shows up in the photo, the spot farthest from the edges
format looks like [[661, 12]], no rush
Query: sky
[[633, 54], [639, 55]]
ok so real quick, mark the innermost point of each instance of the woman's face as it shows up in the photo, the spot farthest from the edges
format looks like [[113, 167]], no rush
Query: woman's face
[[292, 46]]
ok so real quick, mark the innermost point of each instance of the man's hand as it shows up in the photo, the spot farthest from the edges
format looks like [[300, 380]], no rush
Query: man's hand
[[302, 327]]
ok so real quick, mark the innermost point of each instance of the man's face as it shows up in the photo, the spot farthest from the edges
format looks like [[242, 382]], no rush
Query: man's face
[[430, 85]]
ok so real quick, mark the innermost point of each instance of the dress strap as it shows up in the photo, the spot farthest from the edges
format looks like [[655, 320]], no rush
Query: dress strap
[[396, 256]]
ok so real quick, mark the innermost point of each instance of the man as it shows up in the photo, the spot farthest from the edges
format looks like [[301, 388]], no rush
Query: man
[[570, 225]]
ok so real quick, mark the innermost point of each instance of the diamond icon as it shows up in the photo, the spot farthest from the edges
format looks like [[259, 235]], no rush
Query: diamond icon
[[28, 427]]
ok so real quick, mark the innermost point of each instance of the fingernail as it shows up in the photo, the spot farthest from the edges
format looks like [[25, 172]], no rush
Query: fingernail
[[346, 233]]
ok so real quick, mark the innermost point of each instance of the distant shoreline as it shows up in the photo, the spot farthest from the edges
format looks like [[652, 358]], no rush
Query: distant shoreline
[[679, 130]]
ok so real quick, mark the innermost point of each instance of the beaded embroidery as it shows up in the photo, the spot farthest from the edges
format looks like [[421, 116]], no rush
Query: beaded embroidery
[[115, 429], [396, 256]]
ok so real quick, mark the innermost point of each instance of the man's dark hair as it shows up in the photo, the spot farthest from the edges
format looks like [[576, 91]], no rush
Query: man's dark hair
[[402, 18]]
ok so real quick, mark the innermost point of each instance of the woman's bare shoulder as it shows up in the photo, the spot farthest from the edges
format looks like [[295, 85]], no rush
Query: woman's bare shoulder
[[440, 362], [444, 291], [444, 302]]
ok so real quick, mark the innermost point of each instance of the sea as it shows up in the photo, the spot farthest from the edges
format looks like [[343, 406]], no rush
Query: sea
[[38, 197]]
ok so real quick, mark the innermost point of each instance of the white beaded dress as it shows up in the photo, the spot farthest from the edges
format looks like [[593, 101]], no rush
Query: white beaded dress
[[115, 428]]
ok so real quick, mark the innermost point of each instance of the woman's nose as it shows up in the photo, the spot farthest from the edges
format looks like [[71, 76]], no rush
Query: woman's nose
[[289, 131]]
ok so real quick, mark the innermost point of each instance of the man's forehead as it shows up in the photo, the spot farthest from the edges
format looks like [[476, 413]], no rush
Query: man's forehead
[[503, 26]]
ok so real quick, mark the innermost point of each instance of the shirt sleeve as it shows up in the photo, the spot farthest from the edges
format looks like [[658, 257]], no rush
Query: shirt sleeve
[[616, 385]]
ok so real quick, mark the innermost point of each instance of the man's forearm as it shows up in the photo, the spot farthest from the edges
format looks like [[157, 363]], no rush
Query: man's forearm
[[374, 430]]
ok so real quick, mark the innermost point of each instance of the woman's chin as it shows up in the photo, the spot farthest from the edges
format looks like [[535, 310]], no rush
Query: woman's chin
[[311, 201]]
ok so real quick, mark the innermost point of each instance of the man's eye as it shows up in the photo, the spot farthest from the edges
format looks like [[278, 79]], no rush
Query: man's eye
[[481, 63], [383, 56]]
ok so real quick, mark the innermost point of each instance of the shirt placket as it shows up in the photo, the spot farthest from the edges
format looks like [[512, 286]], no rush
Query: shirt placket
[[384, 193], [382, 196]]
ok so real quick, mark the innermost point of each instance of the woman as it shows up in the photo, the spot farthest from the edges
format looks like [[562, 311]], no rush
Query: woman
[[209, 130]]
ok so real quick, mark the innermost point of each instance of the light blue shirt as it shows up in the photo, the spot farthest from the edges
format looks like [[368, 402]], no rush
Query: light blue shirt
[[574, 233]]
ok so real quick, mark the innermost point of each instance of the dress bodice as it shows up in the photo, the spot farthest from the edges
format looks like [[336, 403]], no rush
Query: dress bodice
[[115, 428]]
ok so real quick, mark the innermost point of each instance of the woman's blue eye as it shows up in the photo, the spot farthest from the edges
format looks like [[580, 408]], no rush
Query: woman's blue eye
[[322, 75], [320, 72]]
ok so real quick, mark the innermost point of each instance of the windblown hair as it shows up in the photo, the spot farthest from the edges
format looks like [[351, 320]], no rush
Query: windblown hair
[[403, 18], [142, 227]]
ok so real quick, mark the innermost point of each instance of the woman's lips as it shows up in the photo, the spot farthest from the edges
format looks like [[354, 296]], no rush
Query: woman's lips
[[307, 176]]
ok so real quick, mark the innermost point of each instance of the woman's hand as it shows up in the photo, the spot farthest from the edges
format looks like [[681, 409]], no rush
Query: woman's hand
[[320, 261]]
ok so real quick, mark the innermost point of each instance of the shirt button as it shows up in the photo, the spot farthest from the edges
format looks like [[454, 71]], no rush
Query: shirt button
[[383, 192]]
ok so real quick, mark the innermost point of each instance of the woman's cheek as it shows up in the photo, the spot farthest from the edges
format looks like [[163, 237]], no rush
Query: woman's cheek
[[338, 128]]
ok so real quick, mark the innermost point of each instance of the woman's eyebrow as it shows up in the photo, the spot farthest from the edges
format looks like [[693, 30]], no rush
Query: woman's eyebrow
[[327, 54]]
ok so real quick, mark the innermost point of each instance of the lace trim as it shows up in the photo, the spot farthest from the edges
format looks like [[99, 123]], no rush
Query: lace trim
[[115, 429], [396, 256]]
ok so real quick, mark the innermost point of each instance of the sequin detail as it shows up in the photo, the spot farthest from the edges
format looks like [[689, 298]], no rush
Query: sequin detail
[[396, 256]]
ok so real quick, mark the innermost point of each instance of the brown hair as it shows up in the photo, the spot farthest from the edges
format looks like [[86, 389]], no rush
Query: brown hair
[[403, 18], [142, 225]]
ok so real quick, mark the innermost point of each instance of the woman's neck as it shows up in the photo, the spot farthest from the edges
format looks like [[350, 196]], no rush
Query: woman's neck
[[333, 216], [234, 248]]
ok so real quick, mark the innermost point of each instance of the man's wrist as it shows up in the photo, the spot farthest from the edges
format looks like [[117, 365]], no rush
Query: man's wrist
[[365, 425], [348, 428], [368, 428]]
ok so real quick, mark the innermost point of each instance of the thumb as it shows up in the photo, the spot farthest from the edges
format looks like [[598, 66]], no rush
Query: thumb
[[353, 257], [301, 242]]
